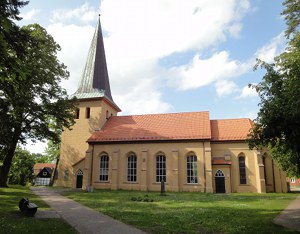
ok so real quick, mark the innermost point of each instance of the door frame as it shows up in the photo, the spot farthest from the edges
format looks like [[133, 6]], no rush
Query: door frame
[[220, 178], [79, 174]]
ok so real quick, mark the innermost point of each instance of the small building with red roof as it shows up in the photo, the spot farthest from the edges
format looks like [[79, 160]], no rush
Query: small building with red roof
[[187, 151], [43, 173]]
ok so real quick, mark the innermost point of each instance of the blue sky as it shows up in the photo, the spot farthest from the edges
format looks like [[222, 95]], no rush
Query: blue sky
[[170, 55]]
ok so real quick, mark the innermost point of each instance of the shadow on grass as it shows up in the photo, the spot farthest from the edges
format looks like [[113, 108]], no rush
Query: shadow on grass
[[11, 220]]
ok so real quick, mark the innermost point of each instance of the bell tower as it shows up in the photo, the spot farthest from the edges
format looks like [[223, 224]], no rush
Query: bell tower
[[96, 105]]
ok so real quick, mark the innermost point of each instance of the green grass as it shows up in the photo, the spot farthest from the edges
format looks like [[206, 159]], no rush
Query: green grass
[[190, 212], [11, 220]]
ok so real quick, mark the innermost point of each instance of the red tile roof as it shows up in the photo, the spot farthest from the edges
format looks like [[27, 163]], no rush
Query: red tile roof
[[40, 166], [176, 126], [230, 129]]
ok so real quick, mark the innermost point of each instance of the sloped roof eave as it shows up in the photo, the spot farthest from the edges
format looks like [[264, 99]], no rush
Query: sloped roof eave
[[124, 141], [78, 162]]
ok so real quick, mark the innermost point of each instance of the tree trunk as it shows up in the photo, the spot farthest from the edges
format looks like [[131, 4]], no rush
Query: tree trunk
[[54, 172], [8, 160]]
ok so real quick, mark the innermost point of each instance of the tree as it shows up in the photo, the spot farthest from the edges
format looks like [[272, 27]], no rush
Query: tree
[[31, 94], [292, 16], [21, 171], [278, 123], [53, 151], [11, 53], [42, 158]]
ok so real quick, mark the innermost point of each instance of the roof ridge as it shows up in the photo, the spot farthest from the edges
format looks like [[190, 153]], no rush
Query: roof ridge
[[173, 113], [245, 118]]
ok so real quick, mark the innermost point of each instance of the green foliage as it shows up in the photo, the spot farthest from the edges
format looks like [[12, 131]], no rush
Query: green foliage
[[42, 158], [53, 148], [10, 50], [11, 222], [140, 199], [52, 151], [33, 94], [30, 92], [190, 212], [292, 16], [21, 171], [278, 123]]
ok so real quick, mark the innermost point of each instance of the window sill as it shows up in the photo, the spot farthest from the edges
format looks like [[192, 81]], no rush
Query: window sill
[[102, 182]]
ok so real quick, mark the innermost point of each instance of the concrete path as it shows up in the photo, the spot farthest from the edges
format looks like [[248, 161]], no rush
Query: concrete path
[[290, 216], [82, 218]]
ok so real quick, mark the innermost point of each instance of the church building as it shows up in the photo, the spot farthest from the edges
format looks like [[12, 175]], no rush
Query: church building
[[188, 151]]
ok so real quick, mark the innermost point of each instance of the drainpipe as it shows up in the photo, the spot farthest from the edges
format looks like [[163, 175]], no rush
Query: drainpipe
[[90, 189], [204, 165], [274, 185]]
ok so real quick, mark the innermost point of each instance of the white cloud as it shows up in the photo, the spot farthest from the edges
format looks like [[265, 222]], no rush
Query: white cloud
[[37, 147], [29, 15], [136, 86], [272, 49], [225, 87], [74, 49], [84, 13], [235, 30], [140, 33], [154, 29], [202, 72], [248, 92]]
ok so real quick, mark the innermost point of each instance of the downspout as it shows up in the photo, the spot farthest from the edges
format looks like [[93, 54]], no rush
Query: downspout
[[204, 165], [231, 187], [274, 185], [91, 176]]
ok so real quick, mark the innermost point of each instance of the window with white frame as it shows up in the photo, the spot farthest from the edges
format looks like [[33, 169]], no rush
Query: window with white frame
[[160, 168], [192, 169], [104, 166], [131, 168], [242, 169], [293, 180]]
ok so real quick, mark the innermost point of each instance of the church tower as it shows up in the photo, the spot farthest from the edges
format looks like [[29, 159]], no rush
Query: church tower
[[96, 105]]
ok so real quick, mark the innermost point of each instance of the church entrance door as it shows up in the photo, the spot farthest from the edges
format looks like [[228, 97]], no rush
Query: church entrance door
[[79, 179], [220, 182]]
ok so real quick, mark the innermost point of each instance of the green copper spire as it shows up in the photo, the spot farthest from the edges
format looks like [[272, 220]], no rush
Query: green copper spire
[[94, 81]]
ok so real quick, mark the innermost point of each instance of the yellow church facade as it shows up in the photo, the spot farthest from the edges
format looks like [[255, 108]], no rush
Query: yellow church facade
[[187, 151]]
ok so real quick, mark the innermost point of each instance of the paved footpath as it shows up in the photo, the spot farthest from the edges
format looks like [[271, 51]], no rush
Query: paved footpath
[[290, 216], [82, 218]]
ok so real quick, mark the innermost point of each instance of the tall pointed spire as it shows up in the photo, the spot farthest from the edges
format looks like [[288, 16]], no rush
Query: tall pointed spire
[[94, 80]]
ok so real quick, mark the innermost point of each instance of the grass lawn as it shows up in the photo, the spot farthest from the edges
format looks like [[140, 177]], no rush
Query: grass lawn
[[11, 221], [190, 212]]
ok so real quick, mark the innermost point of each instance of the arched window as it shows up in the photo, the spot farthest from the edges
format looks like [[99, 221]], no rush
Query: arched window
[[160, 168], [192, 169], [265, 171], [77, 113], [104, 166], [66, 175], [219, 173], [242, 168], [131, 168], [87, 112]]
